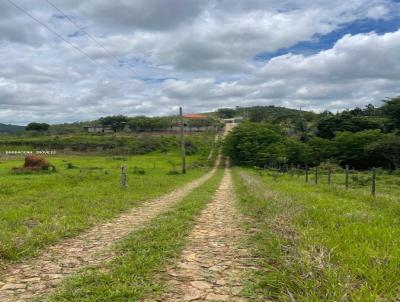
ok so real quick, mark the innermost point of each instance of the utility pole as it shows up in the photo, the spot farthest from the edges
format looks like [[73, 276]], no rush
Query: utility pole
[[183, 151]]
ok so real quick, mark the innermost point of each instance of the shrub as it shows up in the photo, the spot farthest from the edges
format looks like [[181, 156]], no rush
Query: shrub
[[71, 166], [173, 172], [138, 170]]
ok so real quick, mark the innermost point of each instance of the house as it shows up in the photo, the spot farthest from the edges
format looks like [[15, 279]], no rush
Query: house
[[98, 129]]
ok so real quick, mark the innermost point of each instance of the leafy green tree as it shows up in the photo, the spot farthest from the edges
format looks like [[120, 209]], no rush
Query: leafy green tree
[[298, 152], [256, 116], [226, 113], [352, 148], [143, 123], [387, 148], [345, 122], [391, 109], [37, 127], [370, 110], [254, 144], [116, 122], [322, 149]]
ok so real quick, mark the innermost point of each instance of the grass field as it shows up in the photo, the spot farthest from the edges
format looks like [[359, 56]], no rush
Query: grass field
[[39, 209], [316, 243], [139, 271]]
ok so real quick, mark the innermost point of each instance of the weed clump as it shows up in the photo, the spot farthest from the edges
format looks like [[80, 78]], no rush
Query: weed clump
[[71, 166], [138, 170], [173, 170], [119, 158]]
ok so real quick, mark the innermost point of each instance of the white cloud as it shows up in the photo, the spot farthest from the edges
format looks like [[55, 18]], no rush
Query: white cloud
[[196, 53], [360, 56]]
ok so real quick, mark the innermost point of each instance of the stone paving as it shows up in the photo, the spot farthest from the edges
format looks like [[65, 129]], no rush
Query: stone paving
[[213, 265], [42, 274]]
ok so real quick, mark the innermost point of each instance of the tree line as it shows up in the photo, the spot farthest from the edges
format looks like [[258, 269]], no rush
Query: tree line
[[362, 138], [144, 123], [121, 122]]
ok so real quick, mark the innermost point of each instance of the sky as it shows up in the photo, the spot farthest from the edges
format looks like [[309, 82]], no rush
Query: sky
[[76, 60]]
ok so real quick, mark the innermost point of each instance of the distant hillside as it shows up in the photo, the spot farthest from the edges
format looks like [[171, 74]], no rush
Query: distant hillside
[[11, 129], [271, 113]]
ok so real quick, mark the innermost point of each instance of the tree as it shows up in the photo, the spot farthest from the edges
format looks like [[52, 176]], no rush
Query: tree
[[352, 148], [254, 144], [345, 121], [116, 122], [298, 152], [322, 149], [370, 110], [389, 149], [391, 109], [143, 123], [37, 127], [256, 116], [226, 113]]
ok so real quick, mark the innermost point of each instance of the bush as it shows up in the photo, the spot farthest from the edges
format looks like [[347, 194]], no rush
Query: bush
[[138, 170], [172, 172], [71, 166]]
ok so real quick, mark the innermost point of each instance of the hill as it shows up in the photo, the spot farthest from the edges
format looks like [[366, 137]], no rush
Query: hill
[[11, 129]]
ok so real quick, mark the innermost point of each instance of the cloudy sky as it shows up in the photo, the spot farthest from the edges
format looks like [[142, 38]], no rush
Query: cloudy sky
[[82, 59]]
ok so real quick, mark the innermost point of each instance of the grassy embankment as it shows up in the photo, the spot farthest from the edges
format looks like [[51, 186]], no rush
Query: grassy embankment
[[139, 271], [41, 208], [317, 243]]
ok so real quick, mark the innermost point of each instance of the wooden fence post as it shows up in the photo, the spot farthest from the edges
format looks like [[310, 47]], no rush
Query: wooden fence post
[[373, 186], [123, 177], [347, 177], [316, 175]]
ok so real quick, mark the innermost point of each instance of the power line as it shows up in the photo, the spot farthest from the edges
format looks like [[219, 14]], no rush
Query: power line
[[91, 37], [62, 38]]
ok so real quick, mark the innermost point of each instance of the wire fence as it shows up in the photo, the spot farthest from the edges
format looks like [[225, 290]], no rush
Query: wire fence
[[375, 181]]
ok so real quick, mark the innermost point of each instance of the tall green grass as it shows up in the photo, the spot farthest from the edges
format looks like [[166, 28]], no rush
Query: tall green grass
[[316, 243]]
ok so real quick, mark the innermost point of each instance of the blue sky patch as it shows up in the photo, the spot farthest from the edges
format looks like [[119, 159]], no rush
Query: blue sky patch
[[324, 42]]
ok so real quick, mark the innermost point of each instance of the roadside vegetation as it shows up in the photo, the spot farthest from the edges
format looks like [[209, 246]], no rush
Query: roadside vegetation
[[318, 243], [139, 270], [361, 138], [110, 144], [38, 209]]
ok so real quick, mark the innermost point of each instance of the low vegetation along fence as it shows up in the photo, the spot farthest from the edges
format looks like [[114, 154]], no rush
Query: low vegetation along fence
[[374, 180]]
